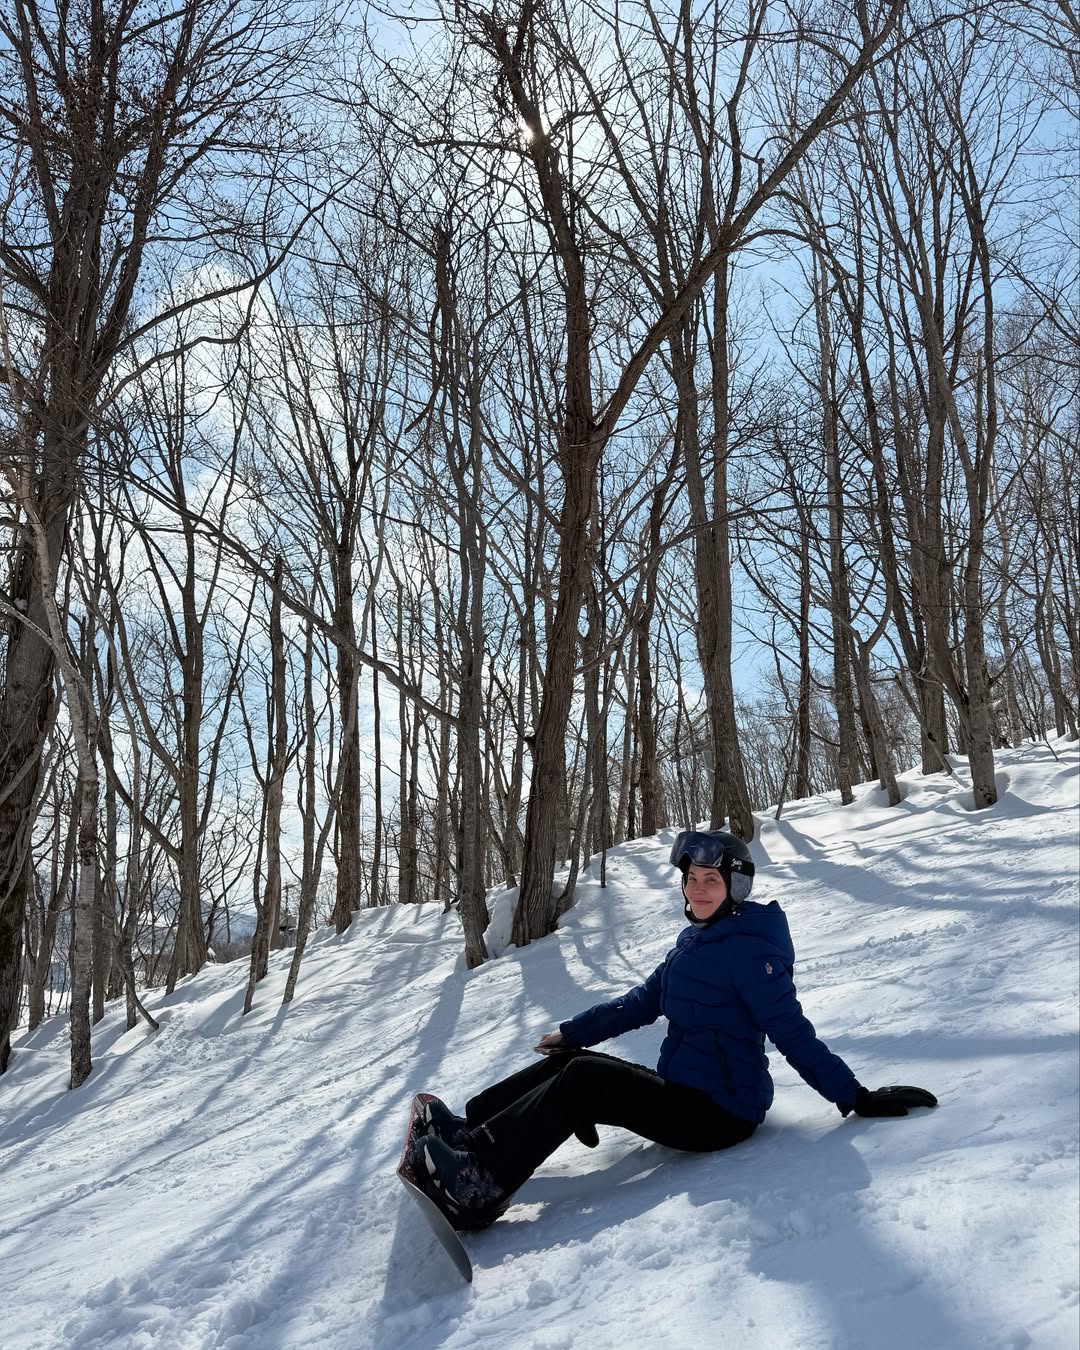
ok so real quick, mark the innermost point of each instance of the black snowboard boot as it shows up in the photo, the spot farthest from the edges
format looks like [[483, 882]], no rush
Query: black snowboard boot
[[459, 1180], [440, 1121]]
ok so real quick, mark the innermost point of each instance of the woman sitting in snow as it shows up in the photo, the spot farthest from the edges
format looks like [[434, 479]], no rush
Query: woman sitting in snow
[[724, 986]]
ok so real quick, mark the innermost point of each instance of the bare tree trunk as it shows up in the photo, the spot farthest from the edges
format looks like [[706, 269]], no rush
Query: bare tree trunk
[[269, 911], [1005, 635], [124, 935], [314, 845], [731, 797], [535, 913], [884, 767], [442, 831], [839, 598], [63, 862], [629, 777], [712, 566], [27, 710], [82, 925], [105, 923], [348, 888], [83, 720], [688, 816], [653, 814], [803, 784], [377, 885], [473, 902], [460, 363], [1065, 721], [580, 449], [408, 735], [312, 852], [594, 782]]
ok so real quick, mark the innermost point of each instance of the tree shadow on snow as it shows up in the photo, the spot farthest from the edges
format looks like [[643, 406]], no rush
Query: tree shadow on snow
[[825, 1235], [800, 1205], [995, 892]]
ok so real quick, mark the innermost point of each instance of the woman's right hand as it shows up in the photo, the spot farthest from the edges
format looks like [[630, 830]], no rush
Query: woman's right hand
[[549, 1044]]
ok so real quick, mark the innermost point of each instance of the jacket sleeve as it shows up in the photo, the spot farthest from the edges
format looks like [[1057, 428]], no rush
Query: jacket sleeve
[[635, 1009], [766, 987]]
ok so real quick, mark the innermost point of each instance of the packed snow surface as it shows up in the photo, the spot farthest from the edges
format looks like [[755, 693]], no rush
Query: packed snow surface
[[229, 1181]]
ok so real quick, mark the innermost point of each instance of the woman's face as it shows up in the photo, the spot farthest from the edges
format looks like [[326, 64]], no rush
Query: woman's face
[[705, 890]]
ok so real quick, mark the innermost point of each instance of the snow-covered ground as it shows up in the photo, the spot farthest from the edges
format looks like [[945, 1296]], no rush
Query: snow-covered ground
[[229, 1181]]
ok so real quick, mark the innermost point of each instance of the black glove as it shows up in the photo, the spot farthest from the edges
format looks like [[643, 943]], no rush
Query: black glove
[[891, 1101]]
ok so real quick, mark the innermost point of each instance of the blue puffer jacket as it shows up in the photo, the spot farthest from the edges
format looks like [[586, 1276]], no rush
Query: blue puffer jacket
[[723, 989]]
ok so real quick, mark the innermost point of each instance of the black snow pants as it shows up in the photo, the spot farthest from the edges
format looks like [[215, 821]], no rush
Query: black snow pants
[[520, 1121]]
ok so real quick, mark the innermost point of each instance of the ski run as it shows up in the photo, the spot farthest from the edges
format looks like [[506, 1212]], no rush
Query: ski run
[[229, 1181]]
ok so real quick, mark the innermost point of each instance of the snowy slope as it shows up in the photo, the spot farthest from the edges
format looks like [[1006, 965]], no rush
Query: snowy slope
[[230, 1182]]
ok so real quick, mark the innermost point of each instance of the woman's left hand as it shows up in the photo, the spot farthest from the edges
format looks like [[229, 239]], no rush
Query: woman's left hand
[[549, 1044], [891, 1101]]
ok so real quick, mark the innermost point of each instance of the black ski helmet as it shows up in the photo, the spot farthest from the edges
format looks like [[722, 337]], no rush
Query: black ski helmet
[[729, 854]]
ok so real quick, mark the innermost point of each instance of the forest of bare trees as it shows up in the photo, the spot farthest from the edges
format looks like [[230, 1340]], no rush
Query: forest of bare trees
[[439, 447]]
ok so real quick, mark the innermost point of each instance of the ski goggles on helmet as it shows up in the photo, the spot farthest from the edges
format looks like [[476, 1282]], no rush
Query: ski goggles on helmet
[[728, 854]]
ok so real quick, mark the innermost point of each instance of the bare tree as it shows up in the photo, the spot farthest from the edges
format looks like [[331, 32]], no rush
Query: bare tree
[[268, 906], [107, 117], [527, 53], [939, 169]]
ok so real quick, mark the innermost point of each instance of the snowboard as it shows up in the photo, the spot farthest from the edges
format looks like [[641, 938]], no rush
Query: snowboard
[[414, 1183]]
